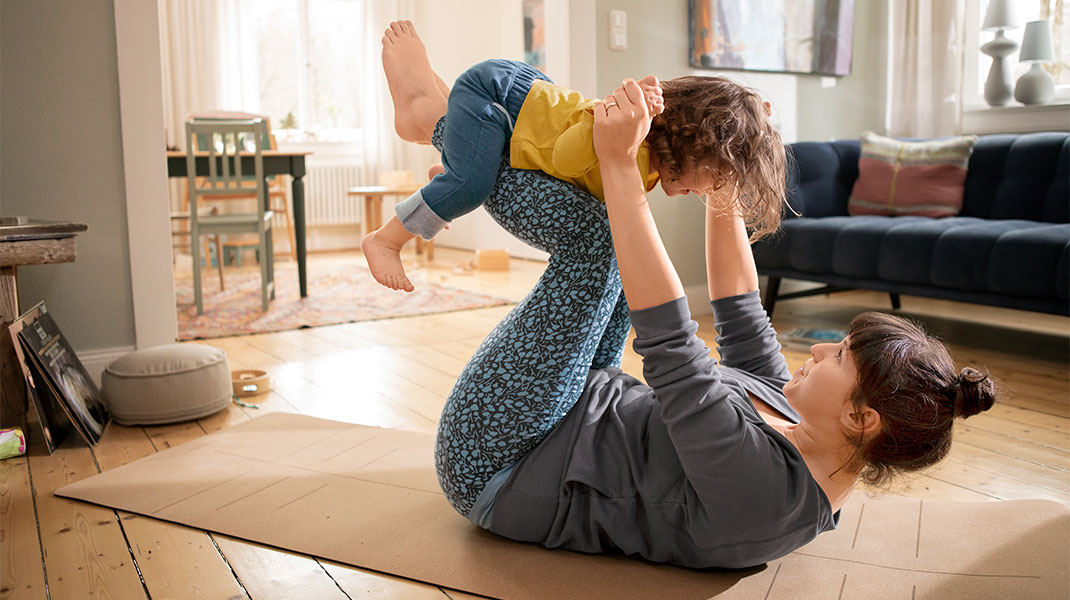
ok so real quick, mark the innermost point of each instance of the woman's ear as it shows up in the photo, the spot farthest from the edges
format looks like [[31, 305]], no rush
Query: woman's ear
[[864, 422]]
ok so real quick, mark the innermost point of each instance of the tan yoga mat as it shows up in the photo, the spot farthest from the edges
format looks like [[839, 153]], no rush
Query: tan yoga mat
[[368, 497]]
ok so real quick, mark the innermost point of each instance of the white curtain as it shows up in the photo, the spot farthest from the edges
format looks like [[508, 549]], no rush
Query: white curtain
[[208, 51], [202, 43], [383, 150], [926, 56]]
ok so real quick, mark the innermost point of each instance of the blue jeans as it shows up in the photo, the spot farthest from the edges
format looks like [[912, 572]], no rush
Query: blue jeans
[[483, 106], [532, 368]]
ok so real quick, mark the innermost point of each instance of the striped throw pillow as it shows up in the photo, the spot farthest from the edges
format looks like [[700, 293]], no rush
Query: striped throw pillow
[[910, 178]]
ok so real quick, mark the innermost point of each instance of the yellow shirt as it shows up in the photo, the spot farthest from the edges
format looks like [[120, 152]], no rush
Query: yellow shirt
[[554, 134]]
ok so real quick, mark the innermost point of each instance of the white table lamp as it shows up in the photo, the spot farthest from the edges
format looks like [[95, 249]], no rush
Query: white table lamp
[[1000, 16], [1036, 86]]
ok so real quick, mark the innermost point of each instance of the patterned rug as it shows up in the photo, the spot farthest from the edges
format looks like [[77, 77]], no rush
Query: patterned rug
[[337, 293]]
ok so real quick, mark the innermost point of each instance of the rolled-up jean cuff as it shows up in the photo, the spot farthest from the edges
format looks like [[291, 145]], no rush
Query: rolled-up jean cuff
[[417, 217]]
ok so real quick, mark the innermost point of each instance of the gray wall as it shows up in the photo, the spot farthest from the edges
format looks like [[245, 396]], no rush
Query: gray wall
[[857, 101], [62, 158], [657, 43]]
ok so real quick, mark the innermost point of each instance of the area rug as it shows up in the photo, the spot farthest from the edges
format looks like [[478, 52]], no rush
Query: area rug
[[338, 292]]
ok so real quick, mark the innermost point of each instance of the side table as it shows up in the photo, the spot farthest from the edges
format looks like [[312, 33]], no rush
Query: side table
[[373, 208], [24, 241]]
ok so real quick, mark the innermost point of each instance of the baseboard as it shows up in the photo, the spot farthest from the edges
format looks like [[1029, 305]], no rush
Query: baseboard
[[95, 361]]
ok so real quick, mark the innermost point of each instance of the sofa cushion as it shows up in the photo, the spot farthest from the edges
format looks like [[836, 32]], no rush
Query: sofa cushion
[[1062, 275], [856, 249], [1023, 261], [906, 252], [1030, 172], [962, 255], [1020, 177], [811, 243], [820, 176], [1057, 205], [898, 177]]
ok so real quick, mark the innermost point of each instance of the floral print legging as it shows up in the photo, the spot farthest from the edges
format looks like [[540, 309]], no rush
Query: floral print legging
[[529, 372]]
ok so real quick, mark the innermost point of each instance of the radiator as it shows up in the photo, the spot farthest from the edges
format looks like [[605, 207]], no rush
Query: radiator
[[326, 202]]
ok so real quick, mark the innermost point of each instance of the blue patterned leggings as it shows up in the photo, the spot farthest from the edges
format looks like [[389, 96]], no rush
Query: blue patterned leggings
[[529, 372]]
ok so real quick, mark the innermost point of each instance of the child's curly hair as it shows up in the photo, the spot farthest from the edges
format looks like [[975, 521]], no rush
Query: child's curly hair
[[717, 124]]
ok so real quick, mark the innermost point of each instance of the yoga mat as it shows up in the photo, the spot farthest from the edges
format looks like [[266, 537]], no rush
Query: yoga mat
[[368, 497]]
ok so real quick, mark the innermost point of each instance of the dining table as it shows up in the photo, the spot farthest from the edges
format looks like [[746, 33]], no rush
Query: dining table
[[276, 162]]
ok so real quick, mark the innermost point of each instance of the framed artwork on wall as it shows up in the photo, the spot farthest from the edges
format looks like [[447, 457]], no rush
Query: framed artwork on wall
[[535, 33], [786, 36]]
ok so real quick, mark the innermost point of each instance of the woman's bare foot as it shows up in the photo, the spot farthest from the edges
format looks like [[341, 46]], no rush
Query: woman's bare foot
[[419, 100], [382, 250]]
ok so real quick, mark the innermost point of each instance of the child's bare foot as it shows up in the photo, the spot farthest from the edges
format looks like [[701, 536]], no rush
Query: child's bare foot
[[435, 170], [419, 100], [382, 250], [655, 101]]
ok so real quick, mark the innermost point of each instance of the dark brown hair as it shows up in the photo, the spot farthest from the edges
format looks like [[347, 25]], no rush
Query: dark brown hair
[[715, 123], [909, 378]]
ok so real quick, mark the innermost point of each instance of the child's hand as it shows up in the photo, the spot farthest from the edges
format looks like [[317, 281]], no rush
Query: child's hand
[[655, 100], [621, 123]]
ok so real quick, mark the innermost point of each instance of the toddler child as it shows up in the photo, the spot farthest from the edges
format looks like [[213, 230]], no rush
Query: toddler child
[[708, 131]]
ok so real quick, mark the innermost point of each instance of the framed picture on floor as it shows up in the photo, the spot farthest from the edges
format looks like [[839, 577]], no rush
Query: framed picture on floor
[[53, 365], [52, 415], [787, 36]]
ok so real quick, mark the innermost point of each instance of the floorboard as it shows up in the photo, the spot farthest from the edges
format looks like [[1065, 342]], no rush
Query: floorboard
[[398, 372]]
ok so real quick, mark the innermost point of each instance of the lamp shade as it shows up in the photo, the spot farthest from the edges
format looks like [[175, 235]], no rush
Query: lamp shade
[[1036, 43], [1001, 14]]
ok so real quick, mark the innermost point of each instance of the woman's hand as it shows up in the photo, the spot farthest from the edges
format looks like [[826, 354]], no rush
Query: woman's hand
[[621, 123], [620, 126]]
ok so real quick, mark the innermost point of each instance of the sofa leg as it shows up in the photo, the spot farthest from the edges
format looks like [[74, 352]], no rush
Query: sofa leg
[[772, 288], [895, 300]]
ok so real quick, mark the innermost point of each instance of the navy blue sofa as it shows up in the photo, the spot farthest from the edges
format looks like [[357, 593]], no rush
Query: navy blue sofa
[[1009, 247]]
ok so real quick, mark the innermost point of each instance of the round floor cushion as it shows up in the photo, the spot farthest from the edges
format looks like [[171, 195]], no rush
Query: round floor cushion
[[166, 384]]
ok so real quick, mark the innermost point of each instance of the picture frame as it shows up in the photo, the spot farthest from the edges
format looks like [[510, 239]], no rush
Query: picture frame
[[56, 374], [52, 415], [781, 36]]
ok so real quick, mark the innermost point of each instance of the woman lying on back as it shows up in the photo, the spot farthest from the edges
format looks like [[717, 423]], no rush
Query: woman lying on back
[[544, 439]]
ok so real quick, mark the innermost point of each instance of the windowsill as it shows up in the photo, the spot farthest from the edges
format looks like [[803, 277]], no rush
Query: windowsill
[[326, 150], [1016, 118]]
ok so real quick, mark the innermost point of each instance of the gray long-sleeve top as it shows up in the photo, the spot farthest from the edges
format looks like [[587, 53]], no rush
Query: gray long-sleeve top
[[681, 470]]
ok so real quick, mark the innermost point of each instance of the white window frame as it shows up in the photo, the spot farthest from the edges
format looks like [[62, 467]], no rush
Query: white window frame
[[307, 139]]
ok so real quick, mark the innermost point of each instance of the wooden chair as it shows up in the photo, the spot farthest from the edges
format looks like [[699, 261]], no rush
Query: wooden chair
[[217, 240], [227, 178], [278, 191]]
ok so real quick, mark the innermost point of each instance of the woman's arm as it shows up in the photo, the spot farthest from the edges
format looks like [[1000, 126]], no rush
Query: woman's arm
[[746, 339], [730, 269], [647, 274]]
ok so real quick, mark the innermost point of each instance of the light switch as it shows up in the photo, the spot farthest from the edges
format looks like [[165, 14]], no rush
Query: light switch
[[618, 30]]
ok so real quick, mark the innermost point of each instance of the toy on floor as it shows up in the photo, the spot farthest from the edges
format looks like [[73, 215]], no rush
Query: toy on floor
[[12, 443]]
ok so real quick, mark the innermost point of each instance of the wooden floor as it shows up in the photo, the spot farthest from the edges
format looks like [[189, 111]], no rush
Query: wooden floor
[[396, 373]]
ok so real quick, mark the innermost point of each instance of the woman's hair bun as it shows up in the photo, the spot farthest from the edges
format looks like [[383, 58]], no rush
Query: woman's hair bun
[[974, 392]]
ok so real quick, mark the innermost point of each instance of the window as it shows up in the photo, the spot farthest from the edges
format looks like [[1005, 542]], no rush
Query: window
[[309, 58], [1058, 11]]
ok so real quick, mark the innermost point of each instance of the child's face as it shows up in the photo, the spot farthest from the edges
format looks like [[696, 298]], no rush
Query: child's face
[[696, 181]]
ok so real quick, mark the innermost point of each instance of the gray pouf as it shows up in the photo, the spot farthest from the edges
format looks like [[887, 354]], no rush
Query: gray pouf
[[167, 384]]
